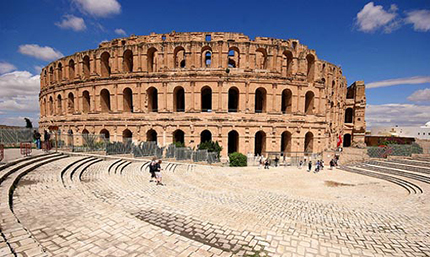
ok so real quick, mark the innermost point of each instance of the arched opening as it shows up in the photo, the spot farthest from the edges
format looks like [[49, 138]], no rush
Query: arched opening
[[206, 57], [70, 103], [44, 108], [105, 67], [288, 63], [85, 135], [287, 100], [233, 141], [45, 78], [51, 75], [105, 134], [309, 142], [86, 62], [59, 105], [179, 137], [233, 99], [233, 57], [127, 95], [105, 100], [69, 137], [127, 61], [71, 69], [152, 59], [286, 143], [350, 93], [127, 136], [179, 55], [86, 102], [151, 136], [205, 136], [261, 59], [260, 100], [310, 67], [206, 99], [51, 106], [309, 102], [179, 99], [152, 93], [347, 140], [260, 143], [60, 72], [349, 115]]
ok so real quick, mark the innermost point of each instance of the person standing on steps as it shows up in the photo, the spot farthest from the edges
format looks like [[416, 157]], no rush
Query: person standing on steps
[[158, 173], [152, 167]]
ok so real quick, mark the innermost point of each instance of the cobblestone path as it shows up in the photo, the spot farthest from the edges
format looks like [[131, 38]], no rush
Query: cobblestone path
[[85, 206]]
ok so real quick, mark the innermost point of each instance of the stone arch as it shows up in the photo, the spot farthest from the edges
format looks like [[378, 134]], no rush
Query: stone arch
[[260, 100], [347, 138], [44, 107], [151, 136], [85, 135], [205, 136], [179, 99], [127, 95], [261, 58], [105, 134], [71, 69], [51, 106], [60, 71], [127, 135], [206, 59], [233, 99], [105, 66], [233, 60], [206, 99], [127, 61], [233, 141], [152, 94], [287, 100], [309, 102], [287, 65], [105, 100], [260, 143], [70, 103], [86, 101], [51, 75], [179, 136], [59, 105], [310, 60], [286, 142], [86, 64], [152, 59], [179, 57], [309, 142], [349, 115]]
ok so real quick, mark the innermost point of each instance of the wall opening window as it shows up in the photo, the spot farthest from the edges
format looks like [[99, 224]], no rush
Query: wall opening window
[[152, 99], [86, 102], [105, 100], [260, 143], [233, 99], [179, 99], [206, 99], [233, 141]]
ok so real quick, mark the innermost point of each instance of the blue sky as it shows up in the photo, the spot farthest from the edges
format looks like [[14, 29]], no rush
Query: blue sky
[[371, 41]]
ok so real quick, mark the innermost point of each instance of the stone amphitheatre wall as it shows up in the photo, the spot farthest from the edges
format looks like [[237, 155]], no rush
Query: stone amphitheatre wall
[[252, 96]]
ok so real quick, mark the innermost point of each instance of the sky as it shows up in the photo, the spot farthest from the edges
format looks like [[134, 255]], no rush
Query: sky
[[384, 43]]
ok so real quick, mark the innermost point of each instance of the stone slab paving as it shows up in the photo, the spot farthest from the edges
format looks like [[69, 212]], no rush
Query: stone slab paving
[[110, 208]]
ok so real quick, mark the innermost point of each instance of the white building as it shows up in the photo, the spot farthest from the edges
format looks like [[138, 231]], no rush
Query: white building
[[422, 132]]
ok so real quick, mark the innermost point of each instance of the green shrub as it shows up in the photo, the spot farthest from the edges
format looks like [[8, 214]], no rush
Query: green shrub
[[211, 146], [237, 160], [179, 144]]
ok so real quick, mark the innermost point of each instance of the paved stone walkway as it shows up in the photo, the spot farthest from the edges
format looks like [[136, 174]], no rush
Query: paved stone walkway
[[83, 206]]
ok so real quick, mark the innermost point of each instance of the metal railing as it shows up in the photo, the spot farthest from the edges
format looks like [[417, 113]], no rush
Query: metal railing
[[393, 150]]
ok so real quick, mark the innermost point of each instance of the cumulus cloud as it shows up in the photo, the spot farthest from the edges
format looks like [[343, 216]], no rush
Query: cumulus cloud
[[20, 104], [6, 67], [98, 8], [19, 83], [45, 53], [420, 19], [72, 22], [422, 95], [120, 32], [397, 114], [399, 81], [373, 17]]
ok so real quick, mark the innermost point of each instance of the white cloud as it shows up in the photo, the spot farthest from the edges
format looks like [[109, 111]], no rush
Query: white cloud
[[98, 8], [38, 69], [6, 67], [399, 81], [120, 32], [72, 22], [19, 83], [45, 53], [19, 120], [420, 19], [373, 17], [20, 104], [397, 114], [422, 95]]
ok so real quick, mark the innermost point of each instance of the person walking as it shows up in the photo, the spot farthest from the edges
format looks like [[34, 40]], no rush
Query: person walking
[[158, 173], [36, 137], [309, 166], [276, 161], [152, 167]]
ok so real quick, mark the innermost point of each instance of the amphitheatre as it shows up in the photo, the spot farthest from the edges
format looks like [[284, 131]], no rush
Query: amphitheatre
[[256, 97]]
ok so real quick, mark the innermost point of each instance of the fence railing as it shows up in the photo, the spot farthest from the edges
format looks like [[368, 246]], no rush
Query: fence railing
[[393, 150], [15, 136]]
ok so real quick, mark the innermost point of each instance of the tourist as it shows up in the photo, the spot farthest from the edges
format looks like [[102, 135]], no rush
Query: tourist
[[331, 164], [260, 162], [36, 137], [266, 164], [317, 166], [46, 137], [158, 173], [276, 161], [322, 164], [309, 166], [152, 167], [300, 164]]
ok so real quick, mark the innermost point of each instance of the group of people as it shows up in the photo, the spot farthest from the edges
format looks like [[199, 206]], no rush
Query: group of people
[[38, 141], [155, 170], [318, 166]]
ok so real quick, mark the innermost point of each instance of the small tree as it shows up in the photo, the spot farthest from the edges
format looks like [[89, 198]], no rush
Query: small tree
[[211, 146], [237, 160], [28, 123]]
